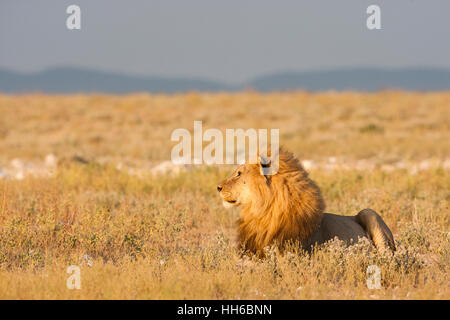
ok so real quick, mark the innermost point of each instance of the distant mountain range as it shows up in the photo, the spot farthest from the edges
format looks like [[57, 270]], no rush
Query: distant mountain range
[[76, 80]]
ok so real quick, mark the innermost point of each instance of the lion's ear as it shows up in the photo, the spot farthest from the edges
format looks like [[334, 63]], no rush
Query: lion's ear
[[264, 165], [264, 162]]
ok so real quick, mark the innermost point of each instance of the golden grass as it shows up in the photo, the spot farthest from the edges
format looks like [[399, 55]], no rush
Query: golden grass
[[386, 125], [168, 237]]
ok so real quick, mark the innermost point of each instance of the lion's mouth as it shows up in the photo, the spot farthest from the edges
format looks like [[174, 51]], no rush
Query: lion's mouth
[[230, 203]]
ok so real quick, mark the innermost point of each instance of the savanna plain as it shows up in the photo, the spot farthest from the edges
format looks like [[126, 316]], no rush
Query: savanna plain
[[86, 180]]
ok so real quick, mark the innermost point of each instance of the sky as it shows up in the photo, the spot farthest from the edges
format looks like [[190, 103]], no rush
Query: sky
[[226, 40]]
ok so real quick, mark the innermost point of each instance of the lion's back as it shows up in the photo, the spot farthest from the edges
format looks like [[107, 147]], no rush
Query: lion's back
[[343, 227]]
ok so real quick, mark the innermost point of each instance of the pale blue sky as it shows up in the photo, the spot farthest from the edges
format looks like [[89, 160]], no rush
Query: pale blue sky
[[227, 40]]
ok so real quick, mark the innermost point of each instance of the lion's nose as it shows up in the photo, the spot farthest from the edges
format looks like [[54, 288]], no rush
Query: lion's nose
[[219, 188]]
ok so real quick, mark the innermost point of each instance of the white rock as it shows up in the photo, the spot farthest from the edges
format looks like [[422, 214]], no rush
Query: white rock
[[16, 163], [387, 167], [446, 164], [414, 169], [424, 165], [19, 175], [308, 164], [332, 159], [168, 167], [51, 161], [401, 165]]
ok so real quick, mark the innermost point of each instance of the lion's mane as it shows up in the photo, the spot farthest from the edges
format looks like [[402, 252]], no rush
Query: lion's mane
[[289, 207]]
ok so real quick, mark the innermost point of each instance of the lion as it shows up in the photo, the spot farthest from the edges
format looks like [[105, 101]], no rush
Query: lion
[[288, 207]]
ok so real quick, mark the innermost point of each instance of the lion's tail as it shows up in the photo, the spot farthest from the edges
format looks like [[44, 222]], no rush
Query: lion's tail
[[376, 229]]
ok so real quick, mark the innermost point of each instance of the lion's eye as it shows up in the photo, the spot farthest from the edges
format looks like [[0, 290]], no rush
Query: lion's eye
[[238, 173]]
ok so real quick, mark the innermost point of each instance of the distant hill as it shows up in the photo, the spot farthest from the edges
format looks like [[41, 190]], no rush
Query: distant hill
[[364, 79], [75, 80]]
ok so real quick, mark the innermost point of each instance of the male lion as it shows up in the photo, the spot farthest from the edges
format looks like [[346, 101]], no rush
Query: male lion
[[288, 206]]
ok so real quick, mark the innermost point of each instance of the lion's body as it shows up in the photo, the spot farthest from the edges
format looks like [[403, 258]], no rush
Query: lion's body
[[288, 206], [367, 223], [332, 225]]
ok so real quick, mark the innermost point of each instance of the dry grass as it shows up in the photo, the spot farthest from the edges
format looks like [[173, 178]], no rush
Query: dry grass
[[168, 237]]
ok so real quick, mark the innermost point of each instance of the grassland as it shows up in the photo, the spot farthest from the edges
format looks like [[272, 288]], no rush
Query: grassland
[[168, 237]]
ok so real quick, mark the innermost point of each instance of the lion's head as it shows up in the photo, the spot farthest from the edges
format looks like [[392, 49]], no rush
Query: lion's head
[[243, 187], [274, 208]]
